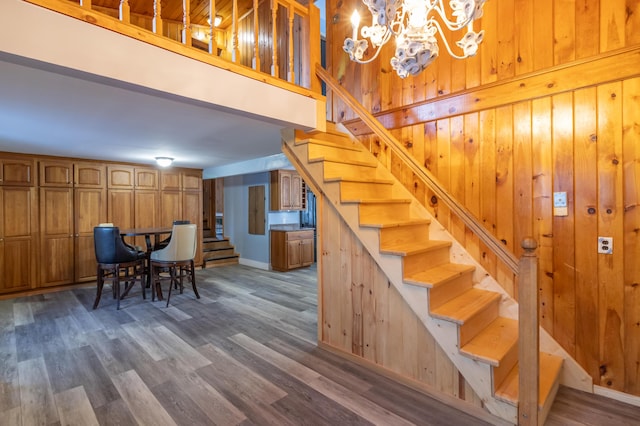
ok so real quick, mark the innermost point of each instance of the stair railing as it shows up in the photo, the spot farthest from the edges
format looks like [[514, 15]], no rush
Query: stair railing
[[495, 245], [525, 268]]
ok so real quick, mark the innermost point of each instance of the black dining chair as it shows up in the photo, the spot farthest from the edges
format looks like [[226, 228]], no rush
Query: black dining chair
[[162, 244], [117, 262]]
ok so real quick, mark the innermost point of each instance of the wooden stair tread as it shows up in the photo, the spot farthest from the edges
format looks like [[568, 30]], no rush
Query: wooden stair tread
[[360, 180], [388, 223], [345, 143], [550, 366], [345, 160], [370, 201], [409, 248], [438, 275], [460, 309], [494, 342]]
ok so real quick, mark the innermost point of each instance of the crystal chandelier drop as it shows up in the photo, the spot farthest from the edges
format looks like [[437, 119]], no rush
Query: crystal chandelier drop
[[414, 24]]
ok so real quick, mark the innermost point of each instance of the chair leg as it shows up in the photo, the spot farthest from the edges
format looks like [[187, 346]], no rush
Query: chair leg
[[193, 279], [172, 273], [143, 282], [116, 288], [99, 285]]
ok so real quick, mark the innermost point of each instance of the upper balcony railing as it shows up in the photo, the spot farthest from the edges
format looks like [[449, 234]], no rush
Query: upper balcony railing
[[275, 41]]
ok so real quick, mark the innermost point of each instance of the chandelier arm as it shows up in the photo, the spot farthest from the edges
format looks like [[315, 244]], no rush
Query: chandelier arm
[[452, 25], [371, 59], [444, 40]]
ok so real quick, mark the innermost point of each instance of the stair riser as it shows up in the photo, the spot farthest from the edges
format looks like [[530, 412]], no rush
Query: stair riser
[[341, 143], [218, 253], [507, 363], [331, 134], [216, 245], [375, 213], [473, 326], [404, 234], [333, 170], [440, 294], [315, 150], [221, 262], [364, 190], [419, 262]]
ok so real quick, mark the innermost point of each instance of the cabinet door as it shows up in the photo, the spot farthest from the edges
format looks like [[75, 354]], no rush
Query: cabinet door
[[146, 178], [56, 173], [56, 243], [192, 180], [17, 238], [285, 191], [170, 180], [120, 208], [120, 177], [147, 212], [306, 252], [171, 207], [90, 210], [17, 172], [89, 175], [294, 255]]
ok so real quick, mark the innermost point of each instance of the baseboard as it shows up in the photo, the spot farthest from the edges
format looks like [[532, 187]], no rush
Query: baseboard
[[617, 395], [253, 263]]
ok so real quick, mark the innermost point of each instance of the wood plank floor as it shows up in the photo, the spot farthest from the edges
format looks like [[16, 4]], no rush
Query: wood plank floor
[[245, 353]]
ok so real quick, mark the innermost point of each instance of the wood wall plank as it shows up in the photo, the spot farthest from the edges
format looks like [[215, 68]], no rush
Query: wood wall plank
[[586, 222], [587, 28], [612, 28], [524, 36], [631, 154], [489, 50], [610, 224], [563, 226], [564, 31], [506, 49], [488, 202], [523, 176], [543, 56]]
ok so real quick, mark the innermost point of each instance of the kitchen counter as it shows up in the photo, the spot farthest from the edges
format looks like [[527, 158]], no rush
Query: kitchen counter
[[290, 227]]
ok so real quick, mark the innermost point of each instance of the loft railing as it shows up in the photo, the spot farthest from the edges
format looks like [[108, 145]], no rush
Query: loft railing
[[525, 269], [279, 39]]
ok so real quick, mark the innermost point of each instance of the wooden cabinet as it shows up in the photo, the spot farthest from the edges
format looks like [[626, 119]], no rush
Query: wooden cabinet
[[56, 241], [89, 175], [17, 171], [120, 177], [286, 191], [291, 249], [146, 178], [56, 173], [90, 209], [18, 237]]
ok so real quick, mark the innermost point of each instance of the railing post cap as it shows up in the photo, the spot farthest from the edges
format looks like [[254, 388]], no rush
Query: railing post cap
[[529, 244]]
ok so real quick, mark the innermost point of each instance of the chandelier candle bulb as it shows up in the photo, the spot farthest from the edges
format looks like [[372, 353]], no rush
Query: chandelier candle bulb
[[355, 22], [415, 24]]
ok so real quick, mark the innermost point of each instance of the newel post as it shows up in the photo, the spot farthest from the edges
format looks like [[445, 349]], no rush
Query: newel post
[[528, 343], [311, 54]]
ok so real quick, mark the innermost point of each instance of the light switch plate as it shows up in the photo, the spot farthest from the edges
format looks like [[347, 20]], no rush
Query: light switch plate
[[605, 245]]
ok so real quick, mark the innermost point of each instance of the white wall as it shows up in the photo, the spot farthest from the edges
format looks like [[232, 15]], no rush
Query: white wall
[[254, 250]]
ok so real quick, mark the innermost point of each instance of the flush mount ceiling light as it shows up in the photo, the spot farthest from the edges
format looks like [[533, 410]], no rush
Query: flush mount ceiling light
[[164, 161], [414, 24]]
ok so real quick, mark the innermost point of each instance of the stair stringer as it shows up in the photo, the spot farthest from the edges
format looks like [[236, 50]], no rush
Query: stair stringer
[[477, 374]]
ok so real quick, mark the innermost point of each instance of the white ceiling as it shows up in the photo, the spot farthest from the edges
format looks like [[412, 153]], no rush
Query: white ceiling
[[54, 113]]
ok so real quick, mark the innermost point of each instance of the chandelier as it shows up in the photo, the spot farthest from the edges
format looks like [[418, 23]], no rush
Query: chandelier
[[414, 25]]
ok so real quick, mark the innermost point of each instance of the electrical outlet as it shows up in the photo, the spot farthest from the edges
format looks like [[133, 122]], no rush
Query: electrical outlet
[[605, 245]]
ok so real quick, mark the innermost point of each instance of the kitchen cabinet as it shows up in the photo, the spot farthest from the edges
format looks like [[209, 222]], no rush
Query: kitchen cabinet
[[16, 171], [287, 191], [291, 249]]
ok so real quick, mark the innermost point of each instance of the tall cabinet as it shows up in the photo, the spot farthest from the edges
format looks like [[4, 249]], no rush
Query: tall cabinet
[[72, 202], [18, 224]]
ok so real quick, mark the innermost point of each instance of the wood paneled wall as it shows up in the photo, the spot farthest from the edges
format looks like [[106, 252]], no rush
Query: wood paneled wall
[[363, 315], [504, 161]]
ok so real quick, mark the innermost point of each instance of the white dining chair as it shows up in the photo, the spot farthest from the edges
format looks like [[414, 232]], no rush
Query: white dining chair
[[176, 261]]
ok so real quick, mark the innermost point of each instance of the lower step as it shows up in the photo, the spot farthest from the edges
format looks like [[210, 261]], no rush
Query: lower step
[[219, 261]]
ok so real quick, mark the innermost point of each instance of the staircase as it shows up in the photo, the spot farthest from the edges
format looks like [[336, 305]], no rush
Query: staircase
[[475, 322], [217, 250]]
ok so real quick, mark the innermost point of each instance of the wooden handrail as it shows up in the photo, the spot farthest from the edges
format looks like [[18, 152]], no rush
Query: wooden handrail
[[495, 245]]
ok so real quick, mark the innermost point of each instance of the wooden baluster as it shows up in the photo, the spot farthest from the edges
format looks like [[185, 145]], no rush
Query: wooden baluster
[[291, 74], [186, 22], [256, 37], [86, 4], [213, 44], [125, 11], [157, 17], [274, 38], [310, 51], [528, 343], [234, 33]]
